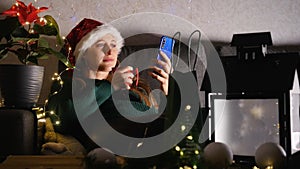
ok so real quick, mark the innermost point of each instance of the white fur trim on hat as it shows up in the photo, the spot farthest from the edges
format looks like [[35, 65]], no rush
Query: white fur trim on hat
[[92, 37]]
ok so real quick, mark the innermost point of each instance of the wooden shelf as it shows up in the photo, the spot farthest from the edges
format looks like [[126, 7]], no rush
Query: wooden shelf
[[43, 162]]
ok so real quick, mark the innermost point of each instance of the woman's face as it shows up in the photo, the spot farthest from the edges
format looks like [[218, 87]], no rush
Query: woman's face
[[103, 54]]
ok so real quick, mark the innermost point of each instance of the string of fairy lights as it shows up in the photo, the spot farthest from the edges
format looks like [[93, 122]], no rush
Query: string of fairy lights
[[43, 112]]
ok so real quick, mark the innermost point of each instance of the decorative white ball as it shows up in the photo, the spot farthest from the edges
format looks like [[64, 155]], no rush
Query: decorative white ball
[[270, 154], [100, 156], [217, 155]]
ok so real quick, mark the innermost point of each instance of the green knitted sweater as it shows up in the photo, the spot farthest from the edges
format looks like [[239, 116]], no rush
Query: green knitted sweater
[[63, 105]]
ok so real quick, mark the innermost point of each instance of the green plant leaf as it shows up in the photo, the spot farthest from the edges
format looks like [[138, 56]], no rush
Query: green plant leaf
[[44, 56], [43, 43], [32, 59], [7, 26], [5, 45], [45, 30], [22, 40], [20, 32], [22, 54], [61, 57], [51, 21], [42, 53], [3, 53]]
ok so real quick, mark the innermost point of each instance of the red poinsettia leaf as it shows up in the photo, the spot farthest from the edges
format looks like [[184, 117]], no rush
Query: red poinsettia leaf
[[21, 4], [12, 11], [32, 17], [22, 10], [31, 8], [32, 13], [42, 9], [22, 17]]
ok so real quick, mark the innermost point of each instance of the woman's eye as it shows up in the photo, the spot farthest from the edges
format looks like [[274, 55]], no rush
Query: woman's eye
[[100, 45], [113, 45]]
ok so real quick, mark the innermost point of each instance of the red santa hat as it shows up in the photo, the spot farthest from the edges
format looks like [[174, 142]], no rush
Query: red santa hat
[[85, 34]]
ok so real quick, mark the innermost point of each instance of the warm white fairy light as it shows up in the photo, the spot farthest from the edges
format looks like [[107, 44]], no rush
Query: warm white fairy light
[[42, 120], [43, 20], [190, 137], [269, 167], [183, 127], [188, 107], [35, 108], [39, 116], [39, 112], [177, 148], [139, 144], [31, 31]]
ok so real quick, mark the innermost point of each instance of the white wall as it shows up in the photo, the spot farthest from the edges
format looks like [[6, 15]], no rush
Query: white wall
[[218, 19]]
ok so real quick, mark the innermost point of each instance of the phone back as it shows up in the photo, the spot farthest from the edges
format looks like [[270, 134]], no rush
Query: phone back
[[166, 45]]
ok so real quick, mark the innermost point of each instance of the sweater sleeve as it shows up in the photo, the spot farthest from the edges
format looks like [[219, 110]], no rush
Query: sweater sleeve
[[62, 104]]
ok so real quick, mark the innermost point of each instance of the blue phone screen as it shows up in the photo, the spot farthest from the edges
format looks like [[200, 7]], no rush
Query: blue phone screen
[[166, 45]]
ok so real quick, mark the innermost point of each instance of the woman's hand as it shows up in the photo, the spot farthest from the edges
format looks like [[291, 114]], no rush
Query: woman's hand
[[162, 72], [122, 78]]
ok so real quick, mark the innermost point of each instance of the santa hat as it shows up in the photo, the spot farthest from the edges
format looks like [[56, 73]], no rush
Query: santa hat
[[85, 34]]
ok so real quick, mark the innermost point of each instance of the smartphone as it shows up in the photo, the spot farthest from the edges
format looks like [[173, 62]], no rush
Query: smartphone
[[167, 46]]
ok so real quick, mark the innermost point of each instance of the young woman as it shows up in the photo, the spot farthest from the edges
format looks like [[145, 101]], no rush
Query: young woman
[[95, 47]]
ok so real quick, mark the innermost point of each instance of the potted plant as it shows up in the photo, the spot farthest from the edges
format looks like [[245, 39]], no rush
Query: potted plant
[[24, 34]]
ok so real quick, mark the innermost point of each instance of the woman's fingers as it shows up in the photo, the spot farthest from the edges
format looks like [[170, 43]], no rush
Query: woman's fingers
[[165, 63], [162, 76], [123, 78], [159, 77], [165, 66], [161, 72], [163, 79], [165, 57]]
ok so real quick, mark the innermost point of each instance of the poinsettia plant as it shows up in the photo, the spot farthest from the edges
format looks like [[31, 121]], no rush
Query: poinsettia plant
[[25, 34]]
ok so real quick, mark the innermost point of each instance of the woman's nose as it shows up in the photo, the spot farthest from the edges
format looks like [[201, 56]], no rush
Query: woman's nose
[[107, 49]]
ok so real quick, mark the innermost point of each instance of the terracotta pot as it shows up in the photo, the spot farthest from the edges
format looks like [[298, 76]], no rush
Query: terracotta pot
[[20, 85]]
